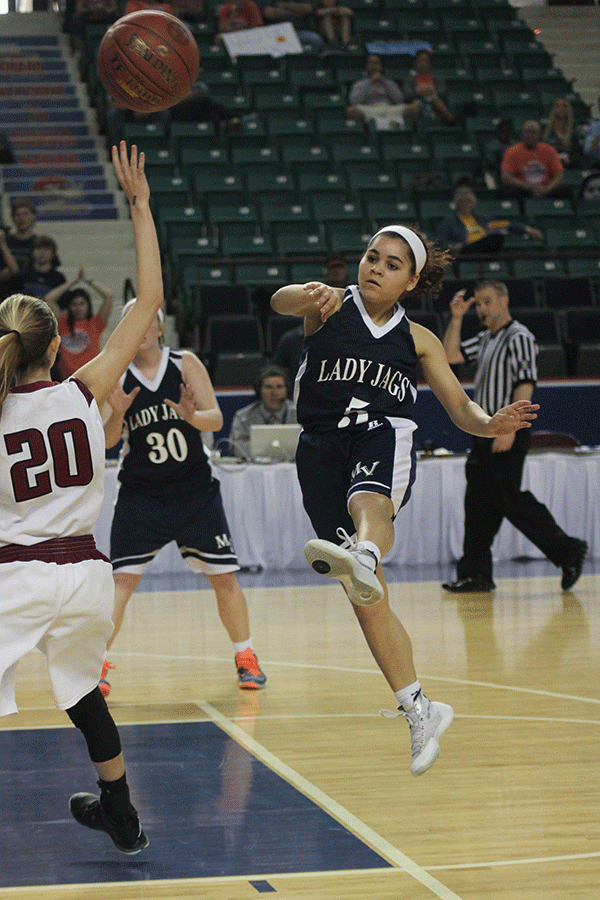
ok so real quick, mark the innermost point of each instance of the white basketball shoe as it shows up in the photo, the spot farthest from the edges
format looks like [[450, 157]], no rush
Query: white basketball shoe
[[354, 568], [427, 720]]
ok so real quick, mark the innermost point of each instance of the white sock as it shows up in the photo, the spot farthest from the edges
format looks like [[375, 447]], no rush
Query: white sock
[[372, 548], [406, 696], [240, 646]]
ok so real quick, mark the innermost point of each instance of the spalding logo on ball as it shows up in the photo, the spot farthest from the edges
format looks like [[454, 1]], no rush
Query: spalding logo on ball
[[148, 60]]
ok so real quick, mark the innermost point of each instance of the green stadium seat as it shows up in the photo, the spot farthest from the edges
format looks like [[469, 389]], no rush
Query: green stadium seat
[[330, 211], [188, 251], [215, 161], [540, 210], [386, 212], [179, 221], [256, 274], [326, 185], [289, 124], [275, 97], [282, 214], [245, 245], [347, 153], [589, 267], [345, 237], [233, 219], [160, 163], [497, 268], [192, 136], [571, 239], [271, 186], [249, 155], [169, 190], [301, 242], [538, 268], [253, 78], [147, 136], [228, 188]]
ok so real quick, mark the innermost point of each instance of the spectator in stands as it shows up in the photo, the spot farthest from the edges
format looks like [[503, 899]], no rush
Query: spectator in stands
[[79, 328], [531, 168], [378, 98], [494, 149], [467, 231], [42, 275], [334, 22], [271, 407], [238, 15], [589, 188], [559, 132], [19, 242], [421, 84], [189, 10], [302, 17], [591, 142], [117, 117], [9, 263], [288, 351], [88, 12]]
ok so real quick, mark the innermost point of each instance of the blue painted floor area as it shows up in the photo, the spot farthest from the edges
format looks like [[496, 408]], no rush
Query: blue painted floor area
[[208, 807]]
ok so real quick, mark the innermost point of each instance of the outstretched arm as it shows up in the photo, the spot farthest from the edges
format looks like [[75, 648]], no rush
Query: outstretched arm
[[464, 412], [101, 372]]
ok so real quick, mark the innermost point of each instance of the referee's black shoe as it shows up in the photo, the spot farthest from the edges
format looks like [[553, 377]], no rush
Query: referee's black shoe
[[572, 571], [126, 833], [469, 586]]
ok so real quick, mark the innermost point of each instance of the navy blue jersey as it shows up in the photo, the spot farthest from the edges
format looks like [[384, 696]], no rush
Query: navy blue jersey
[[162, 453], [355, 373]]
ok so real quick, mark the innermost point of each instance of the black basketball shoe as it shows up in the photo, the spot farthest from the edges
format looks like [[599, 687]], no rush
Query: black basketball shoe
[[126, 833]]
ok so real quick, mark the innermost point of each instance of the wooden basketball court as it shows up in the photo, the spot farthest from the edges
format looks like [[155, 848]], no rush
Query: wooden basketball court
[[508, 812]]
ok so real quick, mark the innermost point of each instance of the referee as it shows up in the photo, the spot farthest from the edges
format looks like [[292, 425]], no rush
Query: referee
[[505, 352]]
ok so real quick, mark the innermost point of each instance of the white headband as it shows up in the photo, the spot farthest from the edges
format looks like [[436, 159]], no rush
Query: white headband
[[160, 314], [413, 240]]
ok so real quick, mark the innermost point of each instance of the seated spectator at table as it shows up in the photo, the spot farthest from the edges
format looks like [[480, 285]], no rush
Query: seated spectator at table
[[272, 407], [378, 98], [334, 22], [80, 330], [559, 131], [467, 231], [531, 168], [494, 149], [301, 16], [421, 84], [42, 275], [238, 15], [591, 142]]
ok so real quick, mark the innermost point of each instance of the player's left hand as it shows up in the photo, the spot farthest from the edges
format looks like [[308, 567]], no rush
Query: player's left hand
[[512, 418], [187, 406]]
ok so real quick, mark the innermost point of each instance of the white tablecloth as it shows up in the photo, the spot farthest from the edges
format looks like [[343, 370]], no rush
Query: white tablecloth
[[269, 526]]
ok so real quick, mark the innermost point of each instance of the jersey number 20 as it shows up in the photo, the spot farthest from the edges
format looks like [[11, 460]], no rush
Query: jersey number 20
[[65, 443]]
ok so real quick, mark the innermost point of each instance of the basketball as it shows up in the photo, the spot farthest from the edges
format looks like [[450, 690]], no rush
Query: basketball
[[148, 61]]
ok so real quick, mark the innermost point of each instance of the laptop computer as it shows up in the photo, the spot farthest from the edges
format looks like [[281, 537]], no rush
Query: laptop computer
[[273, 443]]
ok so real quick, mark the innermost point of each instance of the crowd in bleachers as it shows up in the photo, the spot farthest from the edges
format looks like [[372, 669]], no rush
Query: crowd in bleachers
[[283, 177]]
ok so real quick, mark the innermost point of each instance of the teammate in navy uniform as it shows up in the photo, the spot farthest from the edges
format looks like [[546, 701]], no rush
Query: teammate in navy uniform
[[57, 588], [167, 490], [355, 395]]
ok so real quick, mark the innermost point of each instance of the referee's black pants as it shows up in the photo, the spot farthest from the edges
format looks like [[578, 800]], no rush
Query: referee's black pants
[[493, 493]]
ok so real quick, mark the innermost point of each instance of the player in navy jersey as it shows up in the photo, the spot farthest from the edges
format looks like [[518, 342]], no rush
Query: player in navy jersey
[[355, 395], [57, 588], [167, 490]]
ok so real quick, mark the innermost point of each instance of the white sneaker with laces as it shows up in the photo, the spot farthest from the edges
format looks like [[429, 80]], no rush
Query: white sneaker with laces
[[428, 720], [354, 568]]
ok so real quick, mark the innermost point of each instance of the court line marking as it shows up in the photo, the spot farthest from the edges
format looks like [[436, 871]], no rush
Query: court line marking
[[516, 862], [335, 809], [446, 679]]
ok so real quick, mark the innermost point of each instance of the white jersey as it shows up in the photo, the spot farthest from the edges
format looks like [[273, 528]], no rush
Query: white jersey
[[52, 454]]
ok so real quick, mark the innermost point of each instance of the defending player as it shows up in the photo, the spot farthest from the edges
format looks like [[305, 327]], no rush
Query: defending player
[[57, 588]]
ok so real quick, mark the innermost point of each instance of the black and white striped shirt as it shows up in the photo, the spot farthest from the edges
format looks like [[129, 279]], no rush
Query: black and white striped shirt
[[504, 360]]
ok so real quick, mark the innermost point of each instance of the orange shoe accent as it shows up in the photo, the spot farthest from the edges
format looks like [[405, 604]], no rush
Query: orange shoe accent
[[250, 676], [104, 685]]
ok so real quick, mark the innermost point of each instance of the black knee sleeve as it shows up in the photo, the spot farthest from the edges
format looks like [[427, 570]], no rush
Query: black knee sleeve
[[92, 717]]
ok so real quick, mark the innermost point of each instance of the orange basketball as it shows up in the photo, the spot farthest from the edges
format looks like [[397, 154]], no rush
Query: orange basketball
[[148, 61]]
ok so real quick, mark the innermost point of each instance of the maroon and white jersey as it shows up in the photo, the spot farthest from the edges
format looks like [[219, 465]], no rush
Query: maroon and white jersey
[[52, 453]]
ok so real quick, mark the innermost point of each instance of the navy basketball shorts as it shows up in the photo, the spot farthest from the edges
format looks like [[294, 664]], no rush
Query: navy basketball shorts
[[334, 466], [143, 524]]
